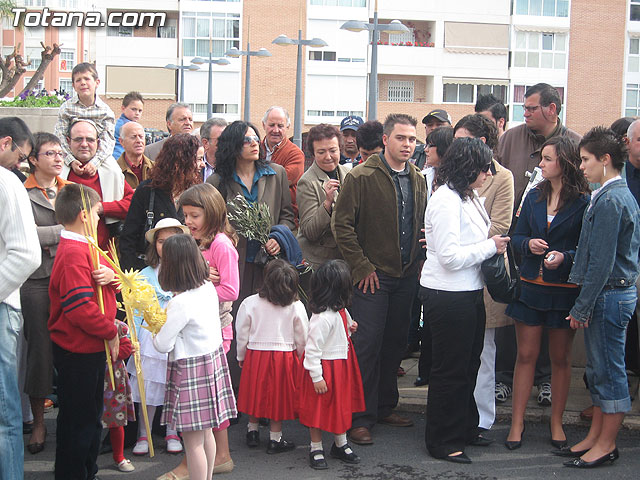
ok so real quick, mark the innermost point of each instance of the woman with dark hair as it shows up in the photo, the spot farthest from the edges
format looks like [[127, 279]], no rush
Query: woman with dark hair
[[436, 145], [173, 172], [43, 185], [497, 194], [606, 268], [241, 171], [546, 237], [317, 193], [451, 286]]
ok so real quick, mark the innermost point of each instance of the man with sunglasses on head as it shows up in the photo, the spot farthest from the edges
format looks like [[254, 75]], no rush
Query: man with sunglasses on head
[[19, 258], [108, 181], [519, 147]]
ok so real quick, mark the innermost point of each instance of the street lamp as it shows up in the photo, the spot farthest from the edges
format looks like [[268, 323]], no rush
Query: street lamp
[[210, 61], [235, 53], [182, 68], [375, 28], [316, 43]]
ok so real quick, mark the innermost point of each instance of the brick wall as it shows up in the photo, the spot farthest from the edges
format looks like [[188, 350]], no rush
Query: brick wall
[[596, 63]]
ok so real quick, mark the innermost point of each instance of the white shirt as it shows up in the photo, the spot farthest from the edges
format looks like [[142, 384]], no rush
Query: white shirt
[[193, 324], [327, 340], [261, 325], [456, 233], [20, 253]]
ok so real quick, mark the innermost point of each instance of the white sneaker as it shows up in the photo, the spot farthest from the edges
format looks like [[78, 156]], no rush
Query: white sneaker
[[141, 447], [173, 444], [126, 466]]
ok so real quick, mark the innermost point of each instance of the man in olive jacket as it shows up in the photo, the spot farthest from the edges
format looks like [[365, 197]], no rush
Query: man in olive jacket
[[377, 222]]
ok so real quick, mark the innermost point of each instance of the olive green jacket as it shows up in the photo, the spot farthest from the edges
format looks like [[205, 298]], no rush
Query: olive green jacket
[[365, 220]]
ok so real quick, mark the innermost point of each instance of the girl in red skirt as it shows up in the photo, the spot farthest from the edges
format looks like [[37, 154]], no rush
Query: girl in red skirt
[[330, 384], [271, 328], [198, 394]]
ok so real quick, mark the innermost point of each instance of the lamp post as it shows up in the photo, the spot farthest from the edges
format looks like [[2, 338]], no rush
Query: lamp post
[[182, 68], [211, 62], [316, 43], [235, 53], [375, 28]]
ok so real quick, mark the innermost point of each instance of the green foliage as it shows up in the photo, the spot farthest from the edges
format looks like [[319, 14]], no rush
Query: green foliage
[[34, 99], [252, 221]]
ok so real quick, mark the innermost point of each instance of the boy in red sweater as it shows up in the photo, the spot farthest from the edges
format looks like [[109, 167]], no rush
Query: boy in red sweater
[[78, 330]]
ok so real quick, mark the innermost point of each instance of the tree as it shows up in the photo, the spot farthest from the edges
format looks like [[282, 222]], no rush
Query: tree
[[47, 54]]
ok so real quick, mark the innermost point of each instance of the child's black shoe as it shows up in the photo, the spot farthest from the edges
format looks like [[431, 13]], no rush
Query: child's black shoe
[[280, 447], [253, 439], [317, 460], [344, 453]]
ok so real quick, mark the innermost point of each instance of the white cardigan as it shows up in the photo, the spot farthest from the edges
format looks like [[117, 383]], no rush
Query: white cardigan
[[327, 340], [456, 233], [193, 324], [261, 325]]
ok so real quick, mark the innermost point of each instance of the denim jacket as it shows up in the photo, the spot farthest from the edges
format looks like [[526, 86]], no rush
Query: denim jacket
[[562, 235], [608, 249]]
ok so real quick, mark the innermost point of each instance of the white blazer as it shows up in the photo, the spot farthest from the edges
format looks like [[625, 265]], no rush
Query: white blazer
[[456, 233]]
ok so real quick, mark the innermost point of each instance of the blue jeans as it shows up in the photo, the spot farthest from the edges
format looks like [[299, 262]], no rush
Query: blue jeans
[[604, 340], [12, 463]]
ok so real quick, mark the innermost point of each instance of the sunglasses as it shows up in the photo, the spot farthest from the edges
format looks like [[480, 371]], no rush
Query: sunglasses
[[487, 167], [249, 139]]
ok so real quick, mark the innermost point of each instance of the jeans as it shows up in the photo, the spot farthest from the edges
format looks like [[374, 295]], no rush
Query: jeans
[[11, 448], [604, 341]]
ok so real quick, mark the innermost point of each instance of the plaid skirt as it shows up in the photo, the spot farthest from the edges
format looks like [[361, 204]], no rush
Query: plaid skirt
[[199, 393]]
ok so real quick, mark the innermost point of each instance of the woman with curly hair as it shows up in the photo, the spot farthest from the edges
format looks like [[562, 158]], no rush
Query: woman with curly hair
[[451, 290], [173, 172], [241, 171], [546, 237]]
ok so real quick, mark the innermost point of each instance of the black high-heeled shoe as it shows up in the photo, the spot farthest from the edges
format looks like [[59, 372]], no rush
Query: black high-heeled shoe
[[580, 463], [567, 452], [559, 444], [514, 445]]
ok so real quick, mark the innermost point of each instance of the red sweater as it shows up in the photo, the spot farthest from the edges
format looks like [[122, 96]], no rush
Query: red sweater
[[288, 155], [117, 209], [75, 321]]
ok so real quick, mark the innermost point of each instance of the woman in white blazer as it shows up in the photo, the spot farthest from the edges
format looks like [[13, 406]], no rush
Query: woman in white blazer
[[451, 289]]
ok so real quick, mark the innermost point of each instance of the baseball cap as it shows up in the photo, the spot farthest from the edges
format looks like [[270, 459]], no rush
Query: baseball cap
[[438, 114], [352, 122]]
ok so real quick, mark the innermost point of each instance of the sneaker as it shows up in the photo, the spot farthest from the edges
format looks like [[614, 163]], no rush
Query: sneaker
[[141, 447], [126, 466], [173, 444], [544, 394], [502, 392]]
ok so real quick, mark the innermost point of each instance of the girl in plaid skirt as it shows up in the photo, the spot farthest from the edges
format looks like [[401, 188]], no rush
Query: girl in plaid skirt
[[199, 396]]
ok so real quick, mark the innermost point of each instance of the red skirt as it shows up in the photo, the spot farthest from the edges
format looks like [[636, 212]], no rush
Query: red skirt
[[331, 411], [267, 385]]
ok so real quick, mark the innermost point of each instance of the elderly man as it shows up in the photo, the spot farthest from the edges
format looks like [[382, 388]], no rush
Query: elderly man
[[108, 181], [277, 148], [179, 120], [209, 133], [19, 258], [133, 163], [376, 224]]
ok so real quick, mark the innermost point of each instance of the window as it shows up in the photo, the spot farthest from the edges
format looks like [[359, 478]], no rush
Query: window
[[169, 29], [545, 8], [120, 31], [215, 107], [32, 47], [458, 93], [313, 113], [67, 60], [517, 107], [634, 13], [540, 50], [324, 56], [632, 102], [35, 3], [400, 91], [402, 37], [500, 91], [33, 56], [633, 65], [66, 85], [202, 28], [38, 86], [340, 3]]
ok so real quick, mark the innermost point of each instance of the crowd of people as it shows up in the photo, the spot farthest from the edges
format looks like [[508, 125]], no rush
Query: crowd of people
[[395, 234]]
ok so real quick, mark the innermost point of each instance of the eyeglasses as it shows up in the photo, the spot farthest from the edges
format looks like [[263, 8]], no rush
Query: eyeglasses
[[249, 139], [429, 145], [486, 168], [532, 108], [50, 154], [89, 140], [23, 157]]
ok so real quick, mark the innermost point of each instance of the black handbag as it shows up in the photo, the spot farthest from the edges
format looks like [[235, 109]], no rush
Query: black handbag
[[503, 286]]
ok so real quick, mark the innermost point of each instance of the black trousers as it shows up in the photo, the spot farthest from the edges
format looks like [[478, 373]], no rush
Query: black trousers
[[457, 322], [380, 341], [79, 423]]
